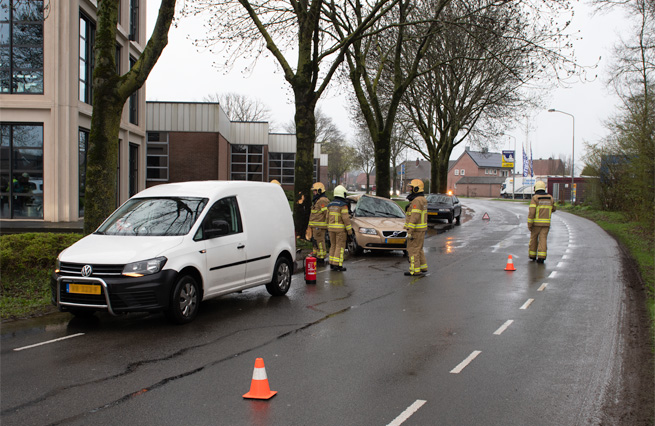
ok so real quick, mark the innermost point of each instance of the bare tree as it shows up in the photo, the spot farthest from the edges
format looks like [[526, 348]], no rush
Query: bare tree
[[486, 62], [364, 154], [288, 30], [239, 107], [624, 160], [110, 92], [387, 63]]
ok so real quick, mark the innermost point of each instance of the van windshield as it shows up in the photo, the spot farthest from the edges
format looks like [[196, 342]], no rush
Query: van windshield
[[154, 217]]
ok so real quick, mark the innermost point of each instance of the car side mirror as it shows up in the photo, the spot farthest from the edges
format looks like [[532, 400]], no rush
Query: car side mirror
[[216, 228]]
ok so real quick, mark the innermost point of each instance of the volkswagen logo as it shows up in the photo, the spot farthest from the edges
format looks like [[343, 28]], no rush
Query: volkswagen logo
[[87, 270]]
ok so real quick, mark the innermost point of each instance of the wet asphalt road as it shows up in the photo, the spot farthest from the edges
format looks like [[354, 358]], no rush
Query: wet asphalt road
[[468, 344]]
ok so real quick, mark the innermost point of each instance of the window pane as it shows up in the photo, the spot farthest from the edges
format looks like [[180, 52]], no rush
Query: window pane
[[28, 136], [28, 34], [28, 10], [157, 161], [236, 168], [238, 158], [28, 57], [31, 82], [157, 149], [255, 168], [4, 34]]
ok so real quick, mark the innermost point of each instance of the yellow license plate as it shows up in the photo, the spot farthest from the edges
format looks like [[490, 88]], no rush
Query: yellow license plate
[[433, 214], [84, 289], [395, 241]]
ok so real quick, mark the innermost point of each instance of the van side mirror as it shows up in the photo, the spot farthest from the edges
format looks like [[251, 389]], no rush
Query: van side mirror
[[215, 229]]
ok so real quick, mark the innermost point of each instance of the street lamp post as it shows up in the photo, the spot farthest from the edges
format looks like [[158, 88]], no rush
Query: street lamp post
[[572, 149], [513, 169]]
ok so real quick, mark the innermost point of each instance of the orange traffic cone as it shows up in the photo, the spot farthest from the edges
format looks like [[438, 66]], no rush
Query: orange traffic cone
[[510, 264], [259, 388]]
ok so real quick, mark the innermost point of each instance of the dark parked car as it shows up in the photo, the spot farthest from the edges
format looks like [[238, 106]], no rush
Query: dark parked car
[[444, 206]]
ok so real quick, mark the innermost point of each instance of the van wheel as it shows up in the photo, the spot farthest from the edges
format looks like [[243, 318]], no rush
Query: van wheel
[[281, 280], [185, 301]]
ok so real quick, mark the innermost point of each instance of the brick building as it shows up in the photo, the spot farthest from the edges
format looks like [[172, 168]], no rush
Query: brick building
[[477, 174], [197, 141]]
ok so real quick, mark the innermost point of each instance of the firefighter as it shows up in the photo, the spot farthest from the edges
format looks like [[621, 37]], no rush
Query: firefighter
[[542, 206], [318, 221], [338, 225], [416, 223]]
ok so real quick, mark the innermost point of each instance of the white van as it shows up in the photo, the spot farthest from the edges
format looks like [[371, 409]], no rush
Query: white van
[[173, 245]]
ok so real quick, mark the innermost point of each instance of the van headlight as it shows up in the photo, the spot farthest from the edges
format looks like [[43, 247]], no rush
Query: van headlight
[[368, 231], [144, 267]]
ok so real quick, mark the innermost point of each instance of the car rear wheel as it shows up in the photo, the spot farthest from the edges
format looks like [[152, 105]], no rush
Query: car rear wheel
[[185, 301], [281, 280], [352, 246]]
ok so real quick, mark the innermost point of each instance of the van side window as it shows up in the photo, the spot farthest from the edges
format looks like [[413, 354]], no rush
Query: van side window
[[226, 210]]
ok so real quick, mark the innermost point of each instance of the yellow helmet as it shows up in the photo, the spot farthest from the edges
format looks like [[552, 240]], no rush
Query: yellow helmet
[[275, 181], [540, 185], [340, 191], [318, 187], [417, 185]]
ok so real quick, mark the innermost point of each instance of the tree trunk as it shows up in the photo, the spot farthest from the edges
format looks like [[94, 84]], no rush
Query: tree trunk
[[305, 137], [102, 161], [382, 161]]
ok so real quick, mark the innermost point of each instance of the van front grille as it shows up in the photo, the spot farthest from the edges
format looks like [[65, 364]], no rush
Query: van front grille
[[75, 269]]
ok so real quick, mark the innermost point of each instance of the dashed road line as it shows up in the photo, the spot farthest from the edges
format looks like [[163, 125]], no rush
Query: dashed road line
[[503, 327], [527, 304], [48, 342], [407, 413], [543, 287], [462, 365], [552, 274]]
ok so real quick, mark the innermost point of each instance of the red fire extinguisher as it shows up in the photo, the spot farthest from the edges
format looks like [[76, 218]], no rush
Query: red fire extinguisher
[[310, 270]]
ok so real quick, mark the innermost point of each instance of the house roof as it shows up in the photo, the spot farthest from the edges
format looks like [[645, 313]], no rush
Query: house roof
[[548, 167]]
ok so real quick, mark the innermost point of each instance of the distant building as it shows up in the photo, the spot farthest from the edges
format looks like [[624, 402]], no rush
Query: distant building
[[477, 174], [45, 106], [196, 141]]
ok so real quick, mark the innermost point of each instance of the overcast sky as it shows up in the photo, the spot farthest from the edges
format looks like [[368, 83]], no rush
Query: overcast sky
[[186, 74]]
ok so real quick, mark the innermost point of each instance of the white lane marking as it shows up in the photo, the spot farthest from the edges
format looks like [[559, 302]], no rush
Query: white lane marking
[[561, 264], [566, 256], [407, 413], [552, 274], [466, 362], [527, 304], [49, 341], [503, 327], [543, 287]]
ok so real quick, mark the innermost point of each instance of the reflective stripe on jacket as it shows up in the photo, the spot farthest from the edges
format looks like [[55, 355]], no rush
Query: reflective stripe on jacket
[[319, 213], [338, 217], [542, 206], [416, 216]]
